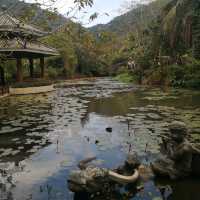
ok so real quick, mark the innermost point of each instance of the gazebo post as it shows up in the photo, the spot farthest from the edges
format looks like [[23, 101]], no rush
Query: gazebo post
[[42, 67], [31, 63], [19, 70], [2, 76]]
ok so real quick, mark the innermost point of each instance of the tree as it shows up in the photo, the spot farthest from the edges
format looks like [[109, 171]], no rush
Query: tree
[[178, 24]]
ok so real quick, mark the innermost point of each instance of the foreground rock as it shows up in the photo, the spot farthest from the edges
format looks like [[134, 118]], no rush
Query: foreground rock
[[92, 179], [180, 158]]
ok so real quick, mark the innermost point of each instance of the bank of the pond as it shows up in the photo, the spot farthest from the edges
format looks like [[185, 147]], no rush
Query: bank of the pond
[[4, 95], [131, 78], [43, 86], [31, 90]]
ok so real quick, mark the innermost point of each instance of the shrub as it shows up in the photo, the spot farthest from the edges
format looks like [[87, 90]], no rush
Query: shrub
[[125, 77], [187, 75], [52, 72]]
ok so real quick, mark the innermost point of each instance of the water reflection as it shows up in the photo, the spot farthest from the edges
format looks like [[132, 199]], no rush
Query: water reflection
[[42, 137]]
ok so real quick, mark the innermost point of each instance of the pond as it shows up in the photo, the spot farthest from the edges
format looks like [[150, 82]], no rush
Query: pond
[[44, 136]]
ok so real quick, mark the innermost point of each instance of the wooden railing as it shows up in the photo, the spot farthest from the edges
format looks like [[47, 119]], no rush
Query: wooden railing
[[4, 90]]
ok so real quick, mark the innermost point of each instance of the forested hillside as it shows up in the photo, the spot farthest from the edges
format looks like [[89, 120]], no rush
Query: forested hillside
[[141, 16], [32, 13]]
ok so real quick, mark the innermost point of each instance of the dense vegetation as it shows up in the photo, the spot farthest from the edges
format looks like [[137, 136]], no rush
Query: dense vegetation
[[158, 43], [164, 50]]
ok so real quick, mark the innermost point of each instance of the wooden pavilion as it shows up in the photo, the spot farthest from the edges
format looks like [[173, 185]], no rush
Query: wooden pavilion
[[20, 41]]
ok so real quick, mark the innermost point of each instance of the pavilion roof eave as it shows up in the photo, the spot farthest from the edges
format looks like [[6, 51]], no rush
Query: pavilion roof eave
[[19, 46], [30, 51], [23, 31], [9, 23]]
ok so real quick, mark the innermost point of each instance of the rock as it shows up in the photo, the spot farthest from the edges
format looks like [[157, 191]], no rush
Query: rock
[[132, 161], [178, 127], [196, 165], [92, 179], [146, 173], [96, 141], [109, 129], [7, 167], [154, 116], [181, 158]]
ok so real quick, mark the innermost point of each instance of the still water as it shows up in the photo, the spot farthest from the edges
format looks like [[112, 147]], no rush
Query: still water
[[44, 136]]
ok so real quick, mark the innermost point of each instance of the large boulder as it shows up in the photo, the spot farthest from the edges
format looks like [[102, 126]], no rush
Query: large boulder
[[181, 158], [91, 180]]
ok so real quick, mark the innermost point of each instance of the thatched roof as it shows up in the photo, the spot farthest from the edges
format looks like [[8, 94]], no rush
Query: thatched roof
[[11, 24], [18, 48]]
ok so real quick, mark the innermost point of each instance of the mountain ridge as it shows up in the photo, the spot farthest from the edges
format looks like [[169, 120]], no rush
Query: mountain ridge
[[33, 14], [131, 19]]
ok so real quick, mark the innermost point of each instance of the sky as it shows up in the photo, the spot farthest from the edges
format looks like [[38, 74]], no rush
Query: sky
[[112, 7]]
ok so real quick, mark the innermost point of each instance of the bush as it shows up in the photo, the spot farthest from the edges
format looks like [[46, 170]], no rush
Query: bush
[[52, 72], [125, 77], [187, 75], [10, 70], [195, 83]]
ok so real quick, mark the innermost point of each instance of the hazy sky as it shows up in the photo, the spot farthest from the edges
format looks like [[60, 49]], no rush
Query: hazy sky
[[101, 6]]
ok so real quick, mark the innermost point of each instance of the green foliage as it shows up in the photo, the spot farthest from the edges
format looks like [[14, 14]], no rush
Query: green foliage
[[125, 77], [52, 72], [10, 70], [80, 51], [187, 75], [68, 58]]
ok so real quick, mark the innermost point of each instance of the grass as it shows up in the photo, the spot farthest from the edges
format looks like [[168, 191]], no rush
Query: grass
[[125, 77]]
